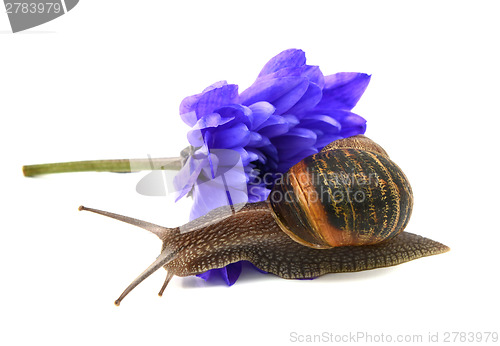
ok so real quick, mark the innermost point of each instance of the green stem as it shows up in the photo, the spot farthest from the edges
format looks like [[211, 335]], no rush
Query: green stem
[[118, 166]]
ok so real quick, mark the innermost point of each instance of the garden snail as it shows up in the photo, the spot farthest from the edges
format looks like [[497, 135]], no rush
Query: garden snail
[[318, 226]]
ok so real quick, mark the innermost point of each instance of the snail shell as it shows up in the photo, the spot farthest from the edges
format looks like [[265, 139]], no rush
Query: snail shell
[[344, 195]]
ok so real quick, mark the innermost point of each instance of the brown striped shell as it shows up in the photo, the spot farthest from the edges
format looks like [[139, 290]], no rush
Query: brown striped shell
[[350, 193]]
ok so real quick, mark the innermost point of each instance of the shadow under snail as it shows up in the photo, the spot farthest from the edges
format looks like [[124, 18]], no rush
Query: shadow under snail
[[343, 209]]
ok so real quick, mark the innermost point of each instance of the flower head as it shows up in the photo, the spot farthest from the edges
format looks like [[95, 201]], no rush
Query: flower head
[[290, 112]]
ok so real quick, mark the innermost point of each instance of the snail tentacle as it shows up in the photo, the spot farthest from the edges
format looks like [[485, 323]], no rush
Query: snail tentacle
[[164, 257], [169, 277], [160, 231]]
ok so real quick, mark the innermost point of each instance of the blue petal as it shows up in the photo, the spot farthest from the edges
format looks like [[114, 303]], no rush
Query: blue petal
[[288, 100], [261, 143], [272, 156], [260, 156], [311, 98], [210, 171], [255, 139], [238, 135], [216, 85], [296, 156], [236, 112], [261, 111], [326, 127], [215, 98], [285, 72], [211, 120], [272, 120], [343, 90], [252, 156], [257, 193], [269, 89], [314, 74], [189, 103], [228, 158], [189, 118], [296, 138], [327, 139], [212, 159], [207, 275], [287, 58], [353, 125], [231, 273], [352, 119], [195, 138], [274, 126], [292, 120], [211, 194], [291, 160], [187, 176], [245, 157], [326, 123]]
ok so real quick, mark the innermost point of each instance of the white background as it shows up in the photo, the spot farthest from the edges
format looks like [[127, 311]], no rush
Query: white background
[[105, 81]]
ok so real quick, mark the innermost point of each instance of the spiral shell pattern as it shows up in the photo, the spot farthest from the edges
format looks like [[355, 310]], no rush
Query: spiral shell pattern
[[341, 197]]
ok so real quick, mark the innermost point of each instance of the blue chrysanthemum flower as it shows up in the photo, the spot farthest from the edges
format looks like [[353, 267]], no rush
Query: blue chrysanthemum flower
[[290, 112]]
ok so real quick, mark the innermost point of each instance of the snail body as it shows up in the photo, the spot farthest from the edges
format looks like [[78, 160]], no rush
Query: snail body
[[312, 231]]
